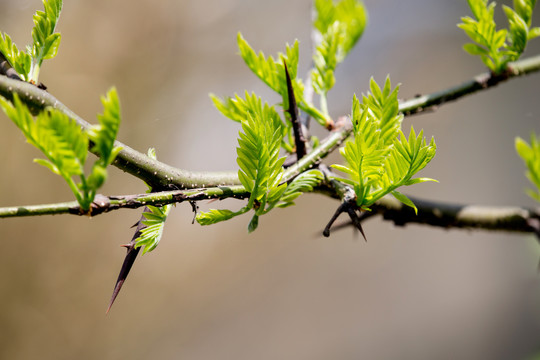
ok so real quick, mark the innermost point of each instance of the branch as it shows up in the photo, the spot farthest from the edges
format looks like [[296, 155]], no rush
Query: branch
[[447, 215], [160, 175], [478, 83], [153, 172], [103, 204]]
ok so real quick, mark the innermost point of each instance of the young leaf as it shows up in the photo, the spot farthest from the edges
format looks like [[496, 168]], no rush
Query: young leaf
[[272, 72], [44, 46], [65, 144], [380, 158], [305, 182], [261, 167], [155, 223], [150, 234], [45, 40], [258, 152], [104, 134], [214, 216], [59, 138], [350, 17], [530, 154], [19, 60], [495, 47], [340, 26], [405, 200]]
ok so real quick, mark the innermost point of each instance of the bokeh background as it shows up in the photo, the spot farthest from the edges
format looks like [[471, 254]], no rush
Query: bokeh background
[[283, 292]]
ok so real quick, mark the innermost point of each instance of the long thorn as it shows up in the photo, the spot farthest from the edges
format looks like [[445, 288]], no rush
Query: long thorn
[[299, 139], [129, 260]]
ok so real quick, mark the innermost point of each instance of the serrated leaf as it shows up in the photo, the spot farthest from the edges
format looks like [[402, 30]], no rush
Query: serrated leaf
[[351, 19], [45, 40], [495, 47], [104, 134], [151, 235], [475, 49], [19, 60], [380, 158], [214, 216], [305, 182], [272, 72], [340, 26], [530, 153], [58, 137]]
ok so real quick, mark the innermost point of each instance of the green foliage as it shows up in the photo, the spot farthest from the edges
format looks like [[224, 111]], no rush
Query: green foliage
[[21, 61], [65, 144], [381, 158], [272, 72], [45, 40], [530, 153], [259, 160], [44, 46], [340, 26], [236, 108], [155, 221], [351, 17], [305, 182], [495, 47]]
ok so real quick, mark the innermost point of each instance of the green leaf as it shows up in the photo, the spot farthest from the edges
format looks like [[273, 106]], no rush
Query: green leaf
[[104, 135], [258, 151], [58, 137], [475, 49], [272, 72], [233, 108], [258, 157], [19, 60], [418, 181], [495, 47], [381, 158], [405, 200], [214, 216], [349, 17], [45, 40], [305, 182], [534, 33], [530, 154], [155, 223]]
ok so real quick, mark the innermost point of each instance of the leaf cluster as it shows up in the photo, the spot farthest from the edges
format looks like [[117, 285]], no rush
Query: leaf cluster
[[340, 26], [495, 47], [530, 154], [261, 166], [65, 144], [261, 170], [271, 70], [380, 158], [45, 43]]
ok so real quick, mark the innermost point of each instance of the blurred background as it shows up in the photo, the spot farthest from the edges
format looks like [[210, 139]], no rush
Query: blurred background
[[283, 292]]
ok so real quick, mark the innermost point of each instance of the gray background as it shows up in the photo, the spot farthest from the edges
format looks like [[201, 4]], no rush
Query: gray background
[[283, 292]]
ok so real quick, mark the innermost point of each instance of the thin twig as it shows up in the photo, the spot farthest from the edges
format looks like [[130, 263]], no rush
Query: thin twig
[[104, 204], [480, 82]]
